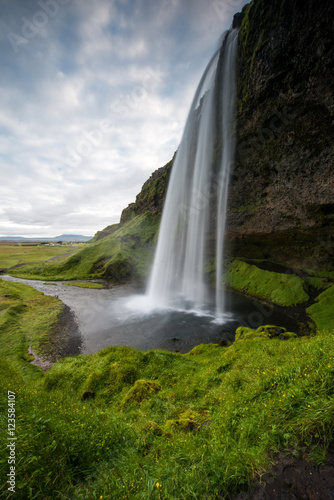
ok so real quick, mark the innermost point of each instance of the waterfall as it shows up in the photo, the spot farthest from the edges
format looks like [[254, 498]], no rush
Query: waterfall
[[197, 190]]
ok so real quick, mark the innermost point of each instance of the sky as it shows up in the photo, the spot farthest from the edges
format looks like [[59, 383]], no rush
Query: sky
[[94, 95]]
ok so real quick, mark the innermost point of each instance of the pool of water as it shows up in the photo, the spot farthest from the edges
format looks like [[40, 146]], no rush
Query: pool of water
[[118, 316]]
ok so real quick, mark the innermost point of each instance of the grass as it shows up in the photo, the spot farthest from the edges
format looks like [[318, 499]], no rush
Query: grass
[[12, 255], [322, 310], [27, 317], [171, 426], [84, 285], [281, 289], [119, 256]]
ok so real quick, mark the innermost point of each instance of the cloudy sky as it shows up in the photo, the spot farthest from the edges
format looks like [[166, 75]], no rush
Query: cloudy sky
[[94, 95]]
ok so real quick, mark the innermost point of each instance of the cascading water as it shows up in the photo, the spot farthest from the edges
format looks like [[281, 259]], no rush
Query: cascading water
[[198, 188]]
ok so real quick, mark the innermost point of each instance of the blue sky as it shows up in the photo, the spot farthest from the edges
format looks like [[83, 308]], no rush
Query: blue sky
[[93, 98]]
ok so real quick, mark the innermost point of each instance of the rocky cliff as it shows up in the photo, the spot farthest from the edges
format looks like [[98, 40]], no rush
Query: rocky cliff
[[281, 201], [282, 188]]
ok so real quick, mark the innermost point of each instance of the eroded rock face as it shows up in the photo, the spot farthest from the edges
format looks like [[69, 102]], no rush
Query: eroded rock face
[[282, 185], [152, 195]]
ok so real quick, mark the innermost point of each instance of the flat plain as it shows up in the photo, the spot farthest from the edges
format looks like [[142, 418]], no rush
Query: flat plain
[[14, 253]]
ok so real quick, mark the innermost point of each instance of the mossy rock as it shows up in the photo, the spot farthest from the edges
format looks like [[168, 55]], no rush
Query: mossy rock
[[28, 357], [266, 331], [189, 421], [153, 428], [141, 390], [279, 288]]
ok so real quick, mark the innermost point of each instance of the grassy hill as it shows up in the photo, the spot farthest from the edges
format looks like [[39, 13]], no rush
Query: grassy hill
[[124, 254]]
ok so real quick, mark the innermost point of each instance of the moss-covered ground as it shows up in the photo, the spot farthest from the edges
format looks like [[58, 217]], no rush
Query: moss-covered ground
[[279, 288], [159, 425], [322, 311]]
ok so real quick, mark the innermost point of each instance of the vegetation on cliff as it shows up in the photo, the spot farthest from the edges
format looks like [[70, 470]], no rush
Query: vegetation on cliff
[[278, 288]]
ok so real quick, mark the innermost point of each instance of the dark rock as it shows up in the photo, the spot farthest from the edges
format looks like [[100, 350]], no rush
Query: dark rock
[[88, 395], [237, 19], [281, 198]]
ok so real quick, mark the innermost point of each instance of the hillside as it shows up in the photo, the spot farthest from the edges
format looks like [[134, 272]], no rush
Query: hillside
[[119, 253]]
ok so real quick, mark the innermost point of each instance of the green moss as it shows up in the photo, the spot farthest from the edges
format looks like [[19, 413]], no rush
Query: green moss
[[319, 283], [235, 406], [322, 311], [105, 232], [263, 332], [189, 421], [203, 349], [281, 289], [153, 428], [141, 390]]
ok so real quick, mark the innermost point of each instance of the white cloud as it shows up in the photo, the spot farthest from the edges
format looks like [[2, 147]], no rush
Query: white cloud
[[135, 63]]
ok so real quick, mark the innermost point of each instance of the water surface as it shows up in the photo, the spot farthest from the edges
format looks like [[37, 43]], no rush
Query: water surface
[[117, 316]]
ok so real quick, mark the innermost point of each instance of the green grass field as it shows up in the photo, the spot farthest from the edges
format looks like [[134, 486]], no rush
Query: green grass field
[[12, 255]]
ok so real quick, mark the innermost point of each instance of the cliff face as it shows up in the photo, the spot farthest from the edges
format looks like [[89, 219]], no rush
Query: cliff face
[[281, 198], [152, 195], [282, 187]]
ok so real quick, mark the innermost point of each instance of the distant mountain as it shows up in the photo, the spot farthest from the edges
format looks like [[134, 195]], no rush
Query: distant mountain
[[72, 237], [62, 237]]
